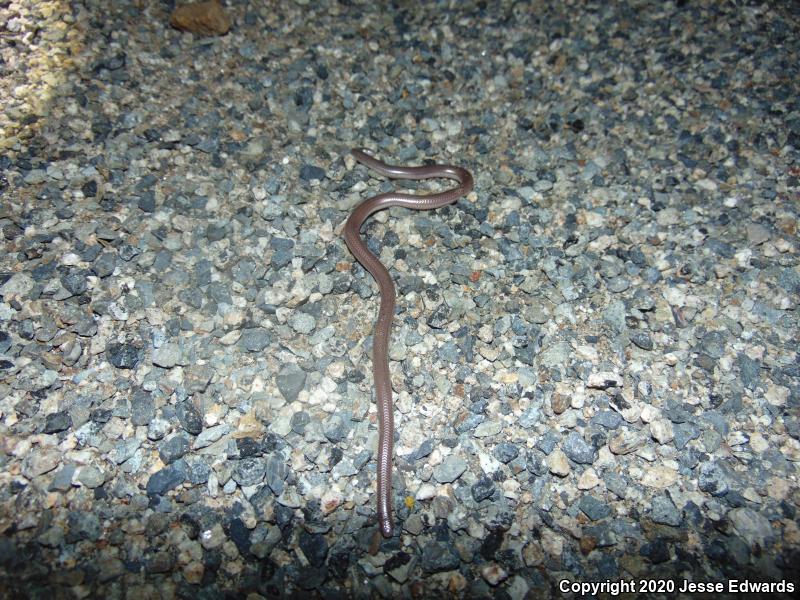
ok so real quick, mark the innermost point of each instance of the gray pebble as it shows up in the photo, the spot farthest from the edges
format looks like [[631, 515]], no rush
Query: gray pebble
[[334, 428], [74, 281], [166, 479], [593, 508], [608, 419], [505, 452], [482, 489], [752, 526], [62, 480], [124, 450], [142, 408], [470, 422], [157, 429], [309, 172], [83, 525], [197, 470], [400, 566], [642, 340], [414, 524], [90, 476], [283, 252], [209, 436], [749, 370], [168, 356], [713, 478], [425, 448], [216, 231], [614, 315], [122, 356], [5, 342], [56, 422], [684, 433], [104, 264], [361, 459], [713, 344], [438, 557], [302, 323], [344, 468], [299, 421], [290, 381], [173, 448], [664, 511], [314, 547], [578, 450], [147, 201], [548, 441], [618, 285], [449, 469], [189, 417], [249, 471], [276, 472], [256, 339], [616, 484], [537, 463]]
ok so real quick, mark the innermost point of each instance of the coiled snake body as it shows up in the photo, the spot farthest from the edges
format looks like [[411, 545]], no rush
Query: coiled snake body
[[380, 344]]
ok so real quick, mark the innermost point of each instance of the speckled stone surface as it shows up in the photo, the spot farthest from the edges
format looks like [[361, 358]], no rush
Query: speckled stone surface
[[594, 356]]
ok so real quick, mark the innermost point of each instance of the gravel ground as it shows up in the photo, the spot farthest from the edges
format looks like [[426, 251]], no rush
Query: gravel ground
[[595, 354]]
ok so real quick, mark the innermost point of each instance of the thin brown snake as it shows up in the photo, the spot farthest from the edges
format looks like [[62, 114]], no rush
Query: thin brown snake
[[380, 343]]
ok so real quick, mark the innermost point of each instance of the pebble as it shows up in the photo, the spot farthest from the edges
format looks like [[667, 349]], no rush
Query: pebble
[[642, 340], [123, 356], [168, 356], [505, 452], [558, 463], [39, 463], [753, 527], [664, 511], [400, 566], [659, 476], [488, 428], [166, 479], [57, 422], [255, 339], [90, 476], [142, 408], [249, 471], [593, 508], [173, 449], [625, 442], [302, 323], [208, 436], [189, 418], [713, 479], [494, 574], [603, 380], [482, 489], [588, 480], [578, 450], [62, 480], [314, 547], [438, 557], [450, 469], [684, 433], [290, 381], [276, 473], [661, 430]]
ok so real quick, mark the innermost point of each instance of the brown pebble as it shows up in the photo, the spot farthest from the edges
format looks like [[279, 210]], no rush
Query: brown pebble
[[587, 544], [559, 403], [203, 18]]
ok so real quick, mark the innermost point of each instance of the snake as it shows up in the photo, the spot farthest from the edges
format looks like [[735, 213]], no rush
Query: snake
[[383, 324]]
